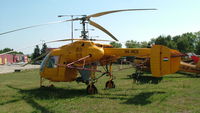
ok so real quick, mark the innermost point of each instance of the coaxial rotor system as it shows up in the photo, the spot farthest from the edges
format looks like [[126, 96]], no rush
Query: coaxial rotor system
[[84, 19]]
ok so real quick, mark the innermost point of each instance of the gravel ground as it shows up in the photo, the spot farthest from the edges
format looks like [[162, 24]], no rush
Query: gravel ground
[[12, 68]]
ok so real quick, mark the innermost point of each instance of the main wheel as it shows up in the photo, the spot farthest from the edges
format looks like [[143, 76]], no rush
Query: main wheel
[[91, 89], [110, 84]]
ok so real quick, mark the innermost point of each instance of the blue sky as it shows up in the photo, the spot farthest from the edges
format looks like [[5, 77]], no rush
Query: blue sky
[[173, 17]]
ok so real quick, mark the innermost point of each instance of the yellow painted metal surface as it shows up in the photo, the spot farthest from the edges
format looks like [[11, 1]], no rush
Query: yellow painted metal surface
[[51, 74], [160, 59], [127, 51], [70, 53], [155, 61], [80, 49], [162, 62]]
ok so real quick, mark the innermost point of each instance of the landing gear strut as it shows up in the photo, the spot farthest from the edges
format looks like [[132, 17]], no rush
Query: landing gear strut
[[91, 89], [110, 83]]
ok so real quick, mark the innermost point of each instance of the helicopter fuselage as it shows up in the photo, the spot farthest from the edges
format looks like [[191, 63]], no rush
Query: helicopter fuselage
[[51, 66], [55, 66]]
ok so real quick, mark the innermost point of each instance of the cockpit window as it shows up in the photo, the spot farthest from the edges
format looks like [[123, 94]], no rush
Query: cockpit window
[[44, 62], [52, 62]]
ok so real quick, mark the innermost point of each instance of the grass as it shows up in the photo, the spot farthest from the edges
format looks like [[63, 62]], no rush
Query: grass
[[20, 93]]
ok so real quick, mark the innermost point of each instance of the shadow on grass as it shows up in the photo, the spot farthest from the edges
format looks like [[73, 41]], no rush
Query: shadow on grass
[[28, 95], [31, 102], [50, 92], [189, 75], [146, 79], [37, 106], [183, 75], [10, 101], [53, 93], [142, 98]]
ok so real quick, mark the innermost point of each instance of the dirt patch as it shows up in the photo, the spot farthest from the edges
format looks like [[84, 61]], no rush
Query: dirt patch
[[16, 68]]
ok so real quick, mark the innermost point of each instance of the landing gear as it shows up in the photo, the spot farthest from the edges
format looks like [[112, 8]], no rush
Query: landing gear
[[91, 89], [42, 80], [110, 84]]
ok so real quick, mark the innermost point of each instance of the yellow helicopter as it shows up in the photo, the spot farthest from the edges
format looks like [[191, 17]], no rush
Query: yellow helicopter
[[84, 56]]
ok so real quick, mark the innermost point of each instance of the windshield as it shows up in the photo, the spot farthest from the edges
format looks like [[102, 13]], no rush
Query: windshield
[[52, 62], [49, 62], [43, 62]]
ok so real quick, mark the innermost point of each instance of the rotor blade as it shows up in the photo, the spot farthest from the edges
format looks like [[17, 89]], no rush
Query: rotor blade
[[36, 26], [100, 40], [7, 52], [44, 54], [62, 40], [35, 45], [77, 39], [102, 29], [115, 11]]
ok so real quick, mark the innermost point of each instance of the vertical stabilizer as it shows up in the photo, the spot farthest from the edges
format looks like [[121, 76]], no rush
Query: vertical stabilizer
[[164, 60]]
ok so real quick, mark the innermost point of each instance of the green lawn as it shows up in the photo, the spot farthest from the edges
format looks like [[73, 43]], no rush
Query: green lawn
[[20, 93]]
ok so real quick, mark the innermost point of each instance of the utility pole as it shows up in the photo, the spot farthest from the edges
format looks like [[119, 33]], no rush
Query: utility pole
[[72, 28]]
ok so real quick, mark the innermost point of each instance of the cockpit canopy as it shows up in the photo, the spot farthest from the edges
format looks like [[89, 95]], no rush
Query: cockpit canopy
[[49, 62]]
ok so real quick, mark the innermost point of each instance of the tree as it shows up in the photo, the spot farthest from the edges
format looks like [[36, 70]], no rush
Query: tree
[[144, 44], [166, 41], [152, 41], [197, 51], [183, 45], [197, 34], [6, 50], [116, 45], [36, 52], [44, 48], [197, 46], [172, 45], [176, 38], [9, 50], [132, 44], [161, 40], [186, 42]]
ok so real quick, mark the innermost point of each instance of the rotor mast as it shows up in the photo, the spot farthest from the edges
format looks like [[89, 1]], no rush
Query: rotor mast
[[84, 32]]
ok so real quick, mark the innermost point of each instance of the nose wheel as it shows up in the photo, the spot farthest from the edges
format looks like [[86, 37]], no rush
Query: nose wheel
[[91, 89], [110, 84]]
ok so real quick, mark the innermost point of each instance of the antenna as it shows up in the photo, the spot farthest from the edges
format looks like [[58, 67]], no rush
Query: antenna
[[72, 25]]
